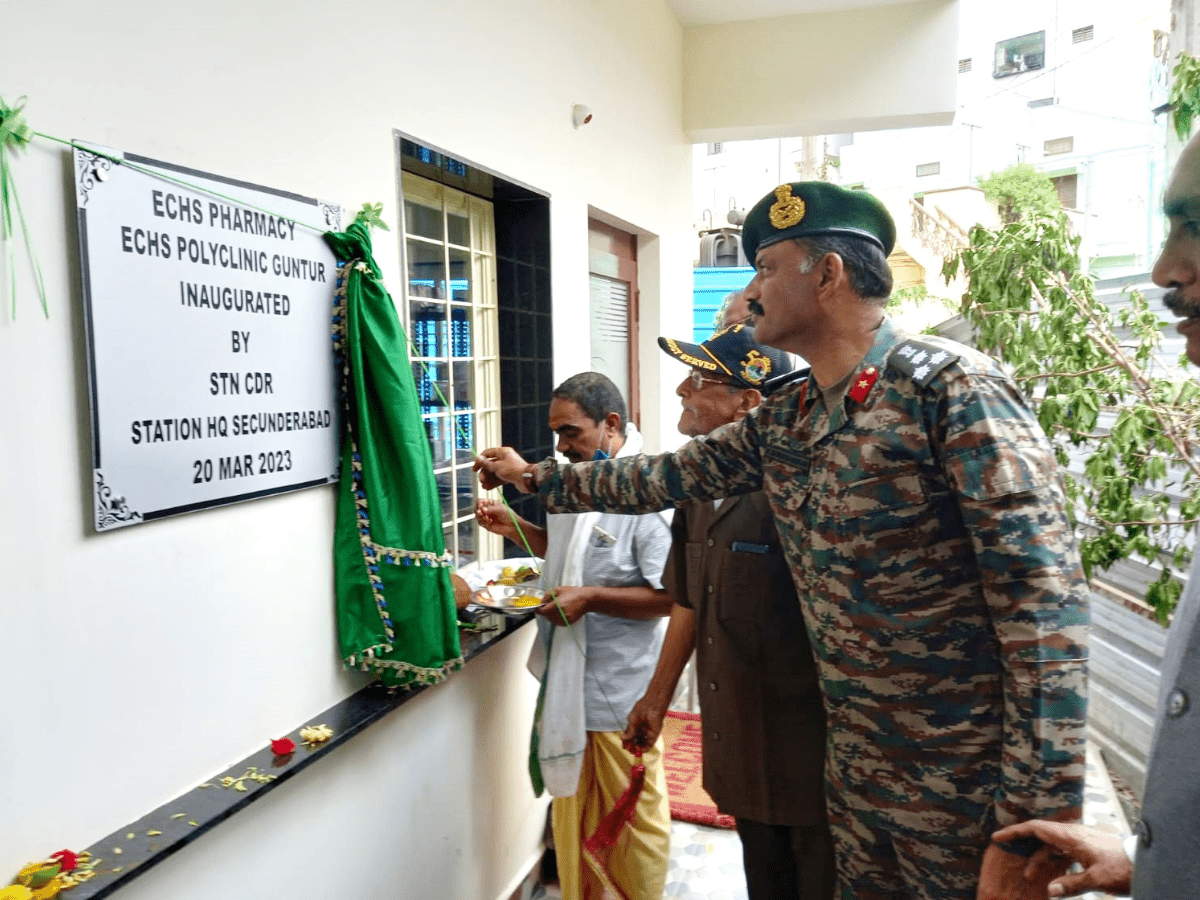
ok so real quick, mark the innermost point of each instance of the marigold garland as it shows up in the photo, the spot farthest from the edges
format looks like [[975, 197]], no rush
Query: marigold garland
[[47, 878]]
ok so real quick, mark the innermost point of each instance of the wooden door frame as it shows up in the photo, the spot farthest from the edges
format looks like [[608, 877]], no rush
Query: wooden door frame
[[612, 253]]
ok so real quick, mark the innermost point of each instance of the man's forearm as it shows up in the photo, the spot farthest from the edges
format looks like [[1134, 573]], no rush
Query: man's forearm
[[532, 537], [642, 602], [723, 464], [676, 650]]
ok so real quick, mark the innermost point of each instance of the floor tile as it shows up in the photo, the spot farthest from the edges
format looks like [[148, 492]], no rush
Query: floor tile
[[706, 863]]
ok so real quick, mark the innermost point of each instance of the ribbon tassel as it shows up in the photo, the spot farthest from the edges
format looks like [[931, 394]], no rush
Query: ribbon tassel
[[598, 847]]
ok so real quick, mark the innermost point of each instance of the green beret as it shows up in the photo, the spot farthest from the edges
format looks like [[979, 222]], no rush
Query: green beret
[[812, 208]]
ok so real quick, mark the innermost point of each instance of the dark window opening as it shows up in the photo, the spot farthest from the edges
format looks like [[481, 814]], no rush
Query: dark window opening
[[1020, 54], [1067, 187]]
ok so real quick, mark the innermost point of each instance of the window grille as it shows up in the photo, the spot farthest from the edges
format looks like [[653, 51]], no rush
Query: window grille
[[450, 289], [1020, 54], [1058, 145]]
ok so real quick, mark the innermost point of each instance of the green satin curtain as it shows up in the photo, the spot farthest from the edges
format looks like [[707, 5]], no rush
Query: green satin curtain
[[395, 605]]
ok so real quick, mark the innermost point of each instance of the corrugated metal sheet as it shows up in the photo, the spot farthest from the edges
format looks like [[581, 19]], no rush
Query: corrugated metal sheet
[[710, 286]]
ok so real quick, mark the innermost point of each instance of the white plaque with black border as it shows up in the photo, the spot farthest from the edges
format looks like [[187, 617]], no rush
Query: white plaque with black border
[[208, 306]]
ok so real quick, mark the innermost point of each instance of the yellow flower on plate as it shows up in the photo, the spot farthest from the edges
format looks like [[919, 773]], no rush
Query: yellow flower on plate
[[16, 891], [48, 890]]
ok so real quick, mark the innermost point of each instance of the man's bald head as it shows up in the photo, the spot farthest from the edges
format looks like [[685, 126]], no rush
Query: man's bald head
[[735, 310]]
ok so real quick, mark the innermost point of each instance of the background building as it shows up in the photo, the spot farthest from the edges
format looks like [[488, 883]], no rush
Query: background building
[[1070, 87]]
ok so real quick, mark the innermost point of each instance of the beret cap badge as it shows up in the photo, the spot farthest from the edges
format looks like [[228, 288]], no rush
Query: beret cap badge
[[787, 210]]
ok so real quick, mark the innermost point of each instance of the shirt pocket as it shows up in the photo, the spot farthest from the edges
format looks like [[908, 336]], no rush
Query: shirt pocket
[[889, 538], [1001, 469], [744, 589]]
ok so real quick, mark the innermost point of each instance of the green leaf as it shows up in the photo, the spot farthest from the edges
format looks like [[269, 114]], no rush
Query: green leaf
[[371, 216]]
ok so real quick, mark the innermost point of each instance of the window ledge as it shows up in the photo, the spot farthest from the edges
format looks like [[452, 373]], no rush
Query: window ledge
[[203, 808]]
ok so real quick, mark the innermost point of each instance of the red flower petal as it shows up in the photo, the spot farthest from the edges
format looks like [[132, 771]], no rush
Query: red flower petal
[[68, 859], [282, 746]]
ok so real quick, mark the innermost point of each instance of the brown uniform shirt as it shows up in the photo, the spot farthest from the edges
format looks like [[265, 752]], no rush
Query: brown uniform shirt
[[760, 701]]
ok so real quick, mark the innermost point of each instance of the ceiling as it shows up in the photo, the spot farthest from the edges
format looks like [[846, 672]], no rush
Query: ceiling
[[712, 12]]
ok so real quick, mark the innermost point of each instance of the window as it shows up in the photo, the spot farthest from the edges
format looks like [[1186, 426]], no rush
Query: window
[[450, 298], [1058, 145], [964, 66], [1020, 54], [495, 381], [715, 148], [933, 168], [1079, 35], [1067, 187], [613, 309]]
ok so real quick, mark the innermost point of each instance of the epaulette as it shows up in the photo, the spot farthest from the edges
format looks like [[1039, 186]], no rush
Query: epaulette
[[920, 361], [771, 385]]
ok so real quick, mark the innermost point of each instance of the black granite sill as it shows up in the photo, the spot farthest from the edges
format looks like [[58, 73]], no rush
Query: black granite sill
[[204, 808]]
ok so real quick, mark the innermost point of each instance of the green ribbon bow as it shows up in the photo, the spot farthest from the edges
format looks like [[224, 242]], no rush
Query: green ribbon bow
[[15, 135]]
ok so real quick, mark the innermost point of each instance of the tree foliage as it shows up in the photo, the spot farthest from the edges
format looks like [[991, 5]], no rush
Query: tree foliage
[[1102, 393], [1185, 94], [1021, 192]]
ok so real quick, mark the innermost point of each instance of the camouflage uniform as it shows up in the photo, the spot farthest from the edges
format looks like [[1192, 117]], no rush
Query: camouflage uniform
[[925, 527]]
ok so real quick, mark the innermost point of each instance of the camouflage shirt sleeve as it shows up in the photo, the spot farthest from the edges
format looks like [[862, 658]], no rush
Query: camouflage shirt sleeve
[[999, 463], [721, 464]]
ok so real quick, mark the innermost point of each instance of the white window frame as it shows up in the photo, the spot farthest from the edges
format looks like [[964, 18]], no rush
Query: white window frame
[[458, 525]]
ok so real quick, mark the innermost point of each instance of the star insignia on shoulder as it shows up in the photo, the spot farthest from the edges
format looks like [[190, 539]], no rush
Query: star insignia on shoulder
[[920, 372]]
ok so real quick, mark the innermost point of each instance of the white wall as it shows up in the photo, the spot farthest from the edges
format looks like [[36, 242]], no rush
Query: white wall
[[139, 663], [821, 73], [1104, 90]]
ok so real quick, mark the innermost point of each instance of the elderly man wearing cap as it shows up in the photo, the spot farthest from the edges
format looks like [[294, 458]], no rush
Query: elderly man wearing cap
[[764, 725], [924, 521]]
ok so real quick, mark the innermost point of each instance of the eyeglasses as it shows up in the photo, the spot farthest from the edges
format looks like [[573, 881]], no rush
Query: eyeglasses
[[698, 380]]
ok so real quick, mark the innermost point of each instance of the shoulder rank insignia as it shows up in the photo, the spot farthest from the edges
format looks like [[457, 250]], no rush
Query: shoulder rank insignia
[[920, 361], [861, 386]]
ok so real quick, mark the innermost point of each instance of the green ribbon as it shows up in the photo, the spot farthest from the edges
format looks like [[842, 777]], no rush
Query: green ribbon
[[15, 135]]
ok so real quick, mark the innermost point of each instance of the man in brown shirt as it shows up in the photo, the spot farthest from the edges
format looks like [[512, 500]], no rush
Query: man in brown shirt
[[764, 726]]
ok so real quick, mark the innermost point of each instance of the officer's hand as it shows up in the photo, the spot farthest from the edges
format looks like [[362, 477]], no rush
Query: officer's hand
[[503, 465], [643, 726], [1002, 876], [572, 600], [1105, 865], [494, 516]]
